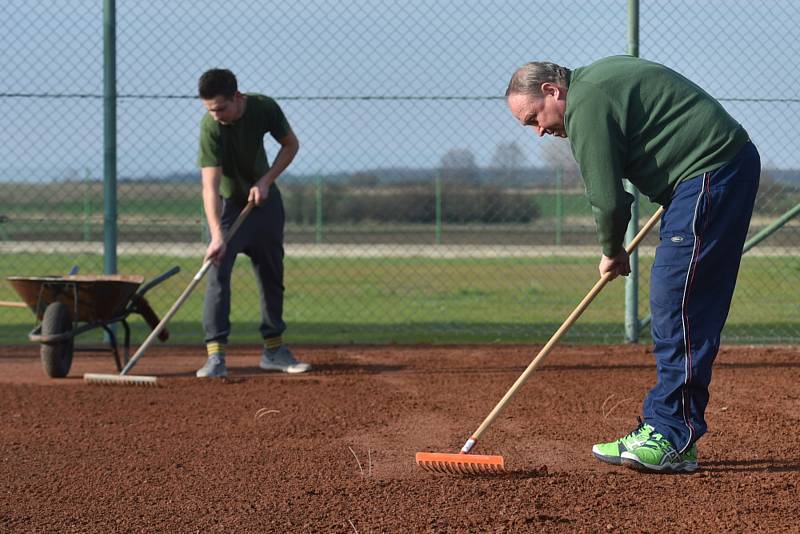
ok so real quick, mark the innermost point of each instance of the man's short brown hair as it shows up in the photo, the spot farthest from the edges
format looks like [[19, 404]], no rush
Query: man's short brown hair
[[217, 82]]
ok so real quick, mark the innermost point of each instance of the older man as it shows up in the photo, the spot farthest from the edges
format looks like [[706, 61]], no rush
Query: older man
[[630, 118]]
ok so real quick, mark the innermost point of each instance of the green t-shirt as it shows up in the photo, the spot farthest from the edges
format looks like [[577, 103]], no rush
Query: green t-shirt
[[239, 147], [631, 118]]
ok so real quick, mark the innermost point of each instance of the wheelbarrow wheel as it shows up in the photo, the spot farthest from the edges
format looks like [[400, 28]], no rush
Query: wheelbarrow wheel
[[56, 357]]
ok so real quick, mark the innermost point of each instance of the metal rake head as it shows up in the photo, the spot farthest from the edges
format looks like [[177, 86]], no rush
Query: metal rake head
[[461, 464]]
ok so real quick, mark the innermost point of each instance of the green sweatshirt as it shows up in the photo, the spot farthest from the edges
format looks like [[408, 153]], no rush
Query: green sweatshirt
[[239, 147], [631, 118]]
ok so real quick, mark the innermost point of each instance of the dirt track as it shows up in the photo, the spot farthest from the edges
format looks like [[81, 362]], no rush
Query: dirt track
[[333, 450]]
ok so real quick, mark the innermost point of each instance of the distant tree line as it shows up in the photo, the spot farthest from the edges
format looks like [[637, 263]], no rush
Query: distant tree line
[[409, 204]]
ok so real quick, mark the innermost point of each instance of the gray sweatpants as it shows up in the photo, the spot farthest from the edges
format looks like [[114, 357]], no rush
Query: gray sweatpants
[[260, 237]]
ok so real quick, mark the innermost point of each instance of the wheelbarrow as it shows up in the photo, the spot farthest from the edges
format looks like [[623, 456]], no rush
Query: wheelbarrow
[[67, 306]]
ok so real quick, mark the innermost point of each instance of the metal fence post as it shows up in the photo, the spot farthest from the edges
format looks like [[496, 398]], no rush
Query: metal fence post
[[559, 204], [87, 206], [109, 138], [632, 281], [318, 209], [438, 208]]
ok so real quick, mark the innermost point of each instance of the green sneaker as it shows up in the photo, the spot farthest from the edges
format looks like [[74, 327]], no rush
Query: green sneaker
[[658, 454], [611, 452]]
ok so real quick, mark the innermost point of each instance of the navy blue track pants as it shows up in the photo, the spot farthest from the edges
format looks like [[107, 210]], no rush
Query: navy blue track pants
[[693, 277]]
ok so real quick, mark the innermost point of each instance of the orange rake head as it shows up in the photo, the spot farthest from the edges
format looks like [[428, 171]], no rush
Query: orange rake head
[[461, 464]]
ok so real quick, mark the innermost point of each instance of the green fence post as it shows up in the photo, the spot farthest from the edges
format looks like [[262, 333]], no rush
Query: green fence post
[[632, 281], [87, 206], [318, 205], [633, 28], [109, 142], [559, 204], [437, 181], [109, 138]]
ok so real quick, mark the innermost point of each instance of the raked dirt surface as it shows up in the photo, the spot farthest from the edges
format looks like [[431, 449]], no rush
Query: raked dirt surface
[[333, 450]]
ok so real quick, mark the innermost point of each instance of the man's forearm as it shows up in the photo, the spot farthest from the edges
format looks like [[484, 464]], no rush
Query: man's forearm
[[283, 159], [213, 208], [212, 205]]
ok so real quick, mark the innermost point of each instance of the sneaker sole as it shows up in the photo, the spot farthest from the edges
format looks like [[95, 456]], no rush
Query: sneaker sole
[[284, 370], [615, 460], [635, 463], [222, 375]]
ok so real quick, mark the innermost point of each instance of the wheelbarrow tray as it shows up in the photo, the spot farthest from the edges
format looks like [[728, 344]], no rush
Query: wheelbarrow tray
[[90, 298]]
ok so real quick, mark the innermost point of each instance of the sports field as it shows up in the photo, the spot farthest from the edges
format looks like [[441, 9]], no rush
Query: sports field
[[333, 450], [422, 300]]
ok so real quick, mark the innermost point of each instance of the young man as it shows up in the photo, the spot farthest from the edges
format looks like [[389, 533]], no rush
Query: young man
[[235, 171], [630, 118]]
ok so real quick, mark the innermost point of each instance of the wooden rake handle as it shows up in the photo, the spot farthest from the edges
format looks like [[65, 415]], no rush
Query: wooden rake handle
[[12, 304], [557, 336], [186, 292]]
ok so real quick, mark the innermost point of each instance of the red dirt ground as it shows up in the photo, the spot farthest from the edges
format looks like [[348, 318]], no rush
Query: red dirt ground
[[333, 450]]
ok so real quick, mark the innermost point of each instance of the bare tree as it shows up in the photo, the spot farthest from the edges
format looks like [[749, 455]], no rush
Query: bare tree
[[556, 154], [508, 161], [458, 165]]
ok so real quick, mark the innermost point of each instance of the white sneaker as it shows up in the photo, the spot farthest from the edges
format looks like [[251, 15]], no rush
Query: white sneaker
[[213, 368], [282, 360]]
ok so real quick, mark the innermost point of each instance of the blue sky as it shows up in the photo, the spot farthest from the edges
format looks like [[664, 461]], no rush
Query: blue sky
[[421, 49]]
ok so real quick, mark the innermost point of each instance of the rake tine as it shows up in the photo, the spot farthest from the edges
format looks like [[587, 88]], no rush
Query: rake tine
[[467, 464], [132, 380]]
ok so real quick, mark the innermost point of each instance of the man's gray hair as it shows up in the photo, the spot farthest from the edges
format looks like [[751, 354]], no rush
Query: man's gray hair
[[528, 79]]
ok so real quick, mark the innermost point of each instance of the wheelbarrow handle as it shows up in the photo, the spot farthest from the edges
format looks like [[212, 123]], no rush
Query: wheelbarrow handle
[[146, 311], [150, 284]]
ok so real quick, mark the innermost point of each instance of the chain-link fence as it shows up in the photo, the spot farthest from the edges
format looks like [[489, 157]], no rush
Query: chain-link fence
[[418, 210]]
